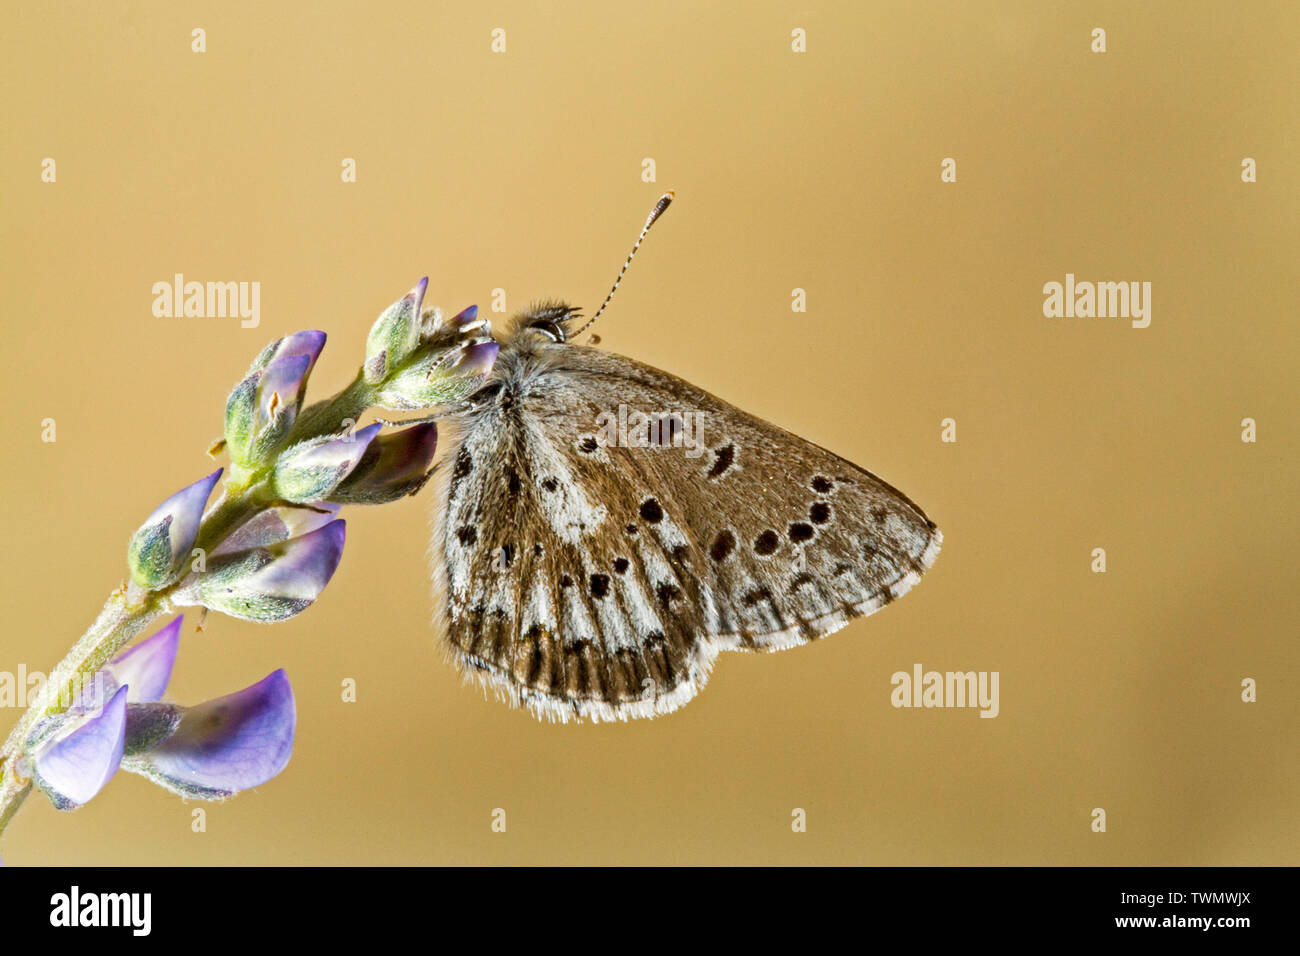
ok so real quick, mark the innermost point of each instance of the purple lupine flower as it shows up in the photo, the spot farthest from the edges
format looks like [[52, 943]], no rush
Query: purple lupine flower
[[277, 524], [311, 470], [159, 549], [147, 667], [394, 466], [309, 343], [276, 400], [225, 745], [476, 359], [262, 408], [269, 582], [72, 767], [212, 750]]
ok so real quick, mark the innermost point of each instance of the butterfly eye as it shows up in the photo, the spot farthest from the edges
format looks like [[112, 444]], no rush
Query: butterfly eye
[[549, 327], [551, 319]]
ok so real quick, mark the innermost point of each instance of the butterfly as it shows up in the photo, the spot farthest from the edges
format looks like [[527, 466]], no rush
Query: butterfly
[[590, 571]]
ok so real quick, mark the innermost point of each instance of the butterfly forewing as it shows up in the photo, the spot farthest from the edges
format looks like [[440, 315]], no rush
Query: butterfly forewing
[[608, 528]]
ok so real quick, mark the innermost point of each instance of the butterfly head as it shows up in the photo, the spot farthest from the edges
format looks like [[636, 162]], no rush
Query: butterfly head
[[554, 322], [546, 322]]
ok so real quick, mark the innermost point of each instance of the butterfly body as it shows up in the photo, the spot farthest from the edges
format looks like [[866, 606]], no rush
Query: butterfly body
[[586, 574]]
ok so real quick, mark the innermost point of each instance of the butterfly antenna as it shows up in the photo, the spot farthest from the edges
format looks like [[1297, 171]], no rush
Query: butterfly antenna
[[655, 213]]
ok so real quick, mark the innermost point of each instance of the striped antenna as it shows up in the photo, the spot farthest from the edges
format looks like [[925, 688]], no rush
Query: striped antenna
[[655, 213]]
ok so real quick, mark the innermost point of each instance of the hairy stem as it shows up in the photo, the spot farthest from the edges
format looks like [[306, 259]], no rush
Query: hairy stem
[[335, 414]]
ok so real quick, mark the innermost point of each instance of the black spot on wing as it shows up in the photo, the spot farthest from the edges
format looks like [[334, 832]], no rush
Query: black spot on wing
[[667, 593], [800, 531], [722, 545], [723, 458], [460, 471], [800, 580]]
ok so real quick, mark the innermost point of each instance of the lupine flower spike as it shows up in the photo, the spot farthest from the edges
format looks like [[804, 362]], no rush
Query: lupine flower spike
[[209, 751], [263, 551]]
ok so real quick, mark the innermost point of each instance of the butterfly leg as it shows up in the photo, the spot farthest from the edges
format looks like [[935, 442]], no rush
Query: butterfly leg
[[390, 423]]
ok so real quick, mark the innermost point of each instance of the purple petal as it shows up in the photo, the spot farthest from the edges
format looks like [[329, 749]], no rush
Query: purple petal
[[186, 508], [92, 694], [395, 465], [466, 317], [275, 525], [477, 359], [147, 667], [308, 343], [228, 744], [418, 291], [406, 453], [76, 768], [268, 584], [337, 453], [281, 385], [310, 470], [303, 566], [177, 521]]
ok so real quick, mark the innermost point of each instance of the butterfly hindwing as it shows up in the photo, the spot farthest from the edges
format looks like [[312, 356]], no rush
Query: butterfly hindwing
[[594, 569], [549, 601]]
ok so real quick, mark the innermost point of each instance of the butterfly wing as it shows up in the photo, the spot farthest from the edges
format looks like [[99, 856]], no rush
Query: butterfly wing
[[608, 528]]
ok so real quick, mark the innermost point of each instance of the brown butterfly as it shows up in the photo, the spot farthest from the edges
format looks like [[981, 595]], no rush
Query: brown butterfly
[[604, 529]]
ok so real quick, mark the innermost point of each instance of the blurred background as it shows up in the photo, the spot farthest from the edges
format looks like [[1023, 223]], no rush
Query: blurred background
[[523, 170]]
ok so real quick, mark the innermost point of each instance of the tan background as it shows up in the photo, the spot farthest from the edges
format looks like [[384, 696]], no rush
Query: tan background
[[820, 171]]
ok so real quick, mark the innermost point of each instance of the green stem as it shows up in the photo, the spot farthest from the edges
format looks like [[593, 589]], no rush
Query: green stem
[[335, 414]]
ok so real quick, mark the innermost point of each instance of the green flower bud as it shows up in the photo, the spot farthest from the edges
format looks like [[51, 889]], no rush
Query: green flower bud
[[270, 583], [438, 377], [161, 546], [394, 335], [311, 470], [262, 408]]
